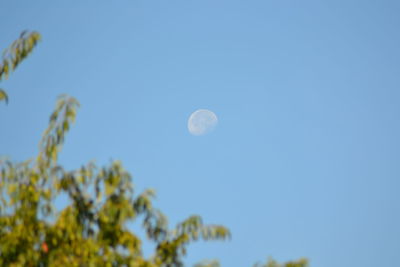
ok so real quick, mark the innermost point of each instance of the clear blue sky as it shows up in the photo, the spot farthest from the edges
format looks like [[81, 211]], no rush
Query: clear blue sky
[[305, 159]]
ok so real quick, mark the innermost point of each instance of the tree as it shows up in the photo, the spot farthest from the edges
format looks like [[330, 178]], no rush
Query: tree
[[92, 230]]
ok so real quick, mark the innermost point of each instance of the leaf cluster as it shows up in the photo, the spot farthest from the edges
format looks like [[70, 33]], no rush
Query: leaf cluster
[[15, 54], [272, 263]]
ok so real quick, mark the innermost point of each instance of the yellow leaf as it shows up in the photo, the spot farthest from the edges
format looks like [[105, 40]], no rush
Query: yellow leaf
[[3, 96], [12, 188]]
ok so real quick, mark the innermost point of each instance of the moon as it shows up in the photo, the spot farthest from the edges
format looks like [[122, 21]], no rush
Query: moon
[[202, 121]]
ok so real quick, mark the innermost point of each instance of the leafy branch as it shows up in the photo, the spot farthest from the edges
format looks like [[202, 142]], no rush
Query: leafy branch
[[15, 54]]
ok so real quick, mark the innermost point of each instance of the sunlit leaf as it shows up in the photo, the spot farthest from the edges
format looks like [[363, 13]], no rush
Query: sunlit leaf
[[3, 96]]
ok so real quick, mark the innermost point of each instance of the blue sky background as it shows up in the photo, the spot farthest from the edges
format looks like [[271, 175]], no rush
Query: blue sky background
[[305, 159]]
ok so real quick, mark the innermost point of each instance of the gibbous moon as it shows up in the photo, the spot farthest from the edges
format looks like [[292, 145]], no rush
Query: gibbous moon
[[202, 121]]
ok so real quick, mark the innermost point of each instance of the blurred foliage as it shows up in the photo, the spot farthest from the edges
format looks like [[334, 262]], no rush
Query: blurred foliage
[[92, 229], [208, 263], [269, 263], [273, 263], [14, 55]]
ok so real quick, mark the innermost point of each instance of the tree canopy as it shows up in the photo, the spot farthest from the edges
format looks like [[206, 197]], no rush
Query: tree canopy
[[92, 229]]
